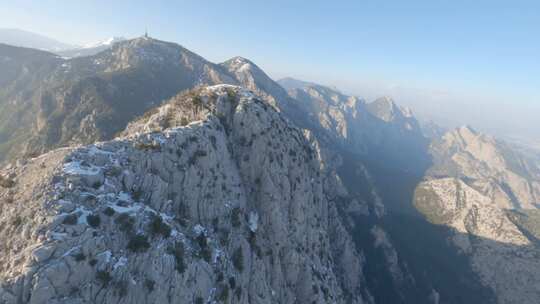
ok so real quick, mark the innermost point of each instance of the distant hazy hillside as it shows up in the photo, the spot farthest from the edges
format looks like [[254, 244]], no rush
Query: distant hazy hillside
[[27, 39], [90, 49]]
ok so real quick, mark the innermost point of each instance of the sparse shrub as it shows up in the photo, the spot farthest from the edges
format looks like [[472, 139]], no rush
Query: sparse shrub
[[149, 113], [232, 282], [9, 199], [6, 182], [114, 171], [253, 243], [224, 237], [199, 300], [92, 262], [93, 220], [168, 120], [183, 215], [122, 288], [215, 223], [148, 146], [172, 196], [206, 251], [238, 292], [137, 195], [200, 153], [96, 185], [235, 217], [125, 223], [17, 221], [213, 140], [74, 290], [238, 259], [157, 226], [220, 277], [177, 250], [109, 211], [149, 284], [197, 154], [223, 294], [70, 219], [231, 93], [138, 243], [104, 277], [197, 101], [184, 121], [79, 257]]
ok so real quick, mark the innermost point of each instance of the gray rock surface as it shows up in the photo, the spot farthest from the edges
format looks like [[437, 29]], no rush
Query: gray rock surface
[[503, 254], [226, 206]]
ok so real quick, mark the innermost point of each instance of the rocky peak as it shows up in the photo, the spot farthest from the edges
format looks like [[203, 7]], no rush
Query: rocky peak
[[386, 109], [254, 78], [196, 105], [432, 130], [91, 98], [467, 130], [289, 83], [510, 178], [212, 197], [240, 63], [485, 232], [147, 50]]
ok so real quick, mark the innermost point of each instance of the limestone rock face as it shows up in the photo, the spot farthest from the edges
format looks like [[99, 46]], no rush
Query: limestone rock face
[[484, 191], [222, 200], [501, 252], [380, 130], [508, 177]]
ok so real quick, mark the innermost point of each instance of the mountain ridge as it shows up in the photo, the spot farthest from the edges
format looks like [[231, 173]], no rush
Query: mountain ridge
[[328, 180]]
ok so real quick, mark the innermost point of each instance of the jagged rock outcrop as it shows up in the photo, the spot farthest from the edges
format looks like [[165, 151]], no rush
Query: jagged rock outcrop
[[212, 197], [500, 251], [478, 187], [508, 177], [377, 130]]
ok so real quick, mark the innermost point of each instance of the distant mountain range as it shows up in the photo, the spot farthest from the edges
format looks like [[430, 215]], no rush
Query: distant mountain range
[[90, 49], [21, 38], [27, 39]]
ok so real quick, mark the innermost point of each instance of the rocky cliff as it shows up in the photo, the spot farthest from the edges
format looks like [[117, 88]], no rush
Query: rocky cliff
[[503, 254], [508, 177], [212, 197], [379, 130], [487, 194]]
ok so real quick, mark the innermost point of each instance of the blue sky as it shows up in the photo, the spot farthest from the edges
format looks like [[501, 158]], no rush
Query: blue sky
[[434, 55]]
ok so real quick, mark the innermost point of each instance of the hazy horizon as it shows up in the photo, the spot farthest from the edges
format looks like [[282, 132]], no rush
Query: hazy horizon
[[456, 63]]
